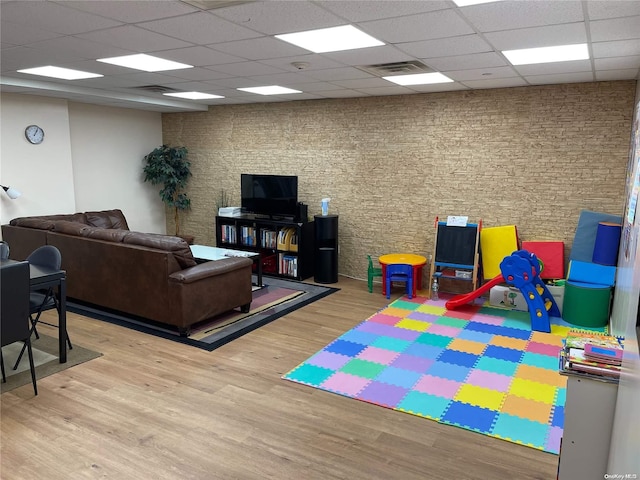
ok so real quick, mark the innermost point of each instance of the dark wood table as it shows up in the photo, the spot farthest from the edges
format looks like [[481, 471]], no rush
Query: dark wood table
[[42, 278]]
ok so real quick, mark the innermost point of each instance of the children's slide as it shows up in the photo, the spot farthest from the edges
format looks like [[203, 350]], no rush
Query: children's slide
[[465, 298]]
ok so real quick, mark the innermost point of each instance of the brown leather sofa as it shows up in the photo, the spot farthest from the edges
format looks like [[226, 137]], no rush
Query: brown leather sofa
[[144, 274]]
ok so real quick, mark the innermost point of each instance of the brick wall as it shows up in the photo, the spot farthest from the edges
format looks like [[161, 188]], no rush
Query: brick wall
[[530, 156]]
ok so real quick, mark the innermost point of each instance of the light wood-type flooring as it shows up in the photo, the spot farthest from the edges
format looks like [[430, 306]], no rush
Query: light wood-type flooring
[[150, 408]]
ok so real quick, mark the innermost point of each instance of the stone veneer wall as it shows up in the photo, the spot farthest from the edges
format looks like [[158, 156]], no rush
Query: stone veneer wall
[[531, 156]]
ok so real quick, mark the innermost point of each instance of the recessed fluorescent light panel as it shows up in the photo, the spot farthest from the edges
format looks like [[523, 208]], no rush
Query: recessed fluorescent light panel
[[146, 63], [561, 53], [270, 90], [419, 79], [465, 3], [193, 95], [334, 39], [59, 72]]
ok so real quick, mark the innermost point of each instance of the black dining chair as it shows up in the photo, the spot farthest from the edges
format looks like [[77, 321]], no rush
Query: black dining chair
[[4, 250], [42, 300], [14, 315]]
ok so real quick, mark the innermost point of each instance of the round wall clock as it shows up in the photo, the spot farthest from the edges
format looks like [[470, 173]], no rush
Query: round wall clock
[[34, 134]]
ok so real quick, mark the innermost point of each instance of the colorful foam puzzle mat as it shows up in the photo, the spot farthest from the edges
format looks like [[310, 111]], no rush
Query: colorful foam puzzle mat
[[479, 368]]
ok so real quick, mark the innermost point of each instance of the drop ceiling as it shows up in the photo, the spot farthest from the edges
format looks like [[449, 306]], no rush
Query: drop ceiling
[[231, 45]]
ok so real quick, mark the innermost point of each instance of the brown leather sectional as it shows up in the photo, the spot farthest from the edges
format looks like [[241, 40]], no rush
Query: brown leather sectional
[[144, 274]]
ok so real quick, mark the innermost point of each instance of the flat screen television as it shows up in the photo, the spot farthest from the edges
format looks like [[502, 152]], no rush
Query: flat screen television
[[270, 195]]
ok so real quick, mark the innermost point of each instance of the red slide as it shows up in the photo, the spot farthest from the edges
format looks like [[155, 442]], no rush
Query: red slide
[[465, 298]]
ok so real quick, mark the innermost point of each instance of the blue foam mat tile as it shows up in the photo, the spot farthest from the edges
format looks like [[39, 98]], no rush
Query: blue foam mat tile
[[469, 416]]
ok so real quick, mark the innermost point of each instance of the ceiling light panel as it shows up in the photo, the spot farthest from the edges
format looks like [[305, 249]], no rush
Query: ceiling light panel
[[334, 39], [419, 79], [59, 72], [146, 63], [561, 53], [270, 90], [193, 95]]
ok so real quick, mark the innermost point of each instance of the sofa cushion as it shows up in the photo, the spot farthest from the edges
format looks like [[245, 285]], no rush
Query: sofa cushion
[[70, 228], [46, 222], [168, 243], [107, 234], [33, 222], [107, 219]]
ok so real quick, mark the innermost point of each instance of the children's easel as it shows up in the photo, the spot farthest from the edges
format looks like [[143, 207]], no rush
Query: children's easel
[[456, 255]]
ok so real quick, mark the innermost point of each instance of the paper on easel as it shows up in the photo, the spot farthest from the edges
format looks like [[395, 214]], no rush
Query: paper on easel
[[457, 221]]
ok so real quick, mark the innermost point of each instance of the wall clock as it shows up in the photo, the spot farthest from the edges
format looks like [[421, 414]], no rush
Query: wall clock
[[34, 134]]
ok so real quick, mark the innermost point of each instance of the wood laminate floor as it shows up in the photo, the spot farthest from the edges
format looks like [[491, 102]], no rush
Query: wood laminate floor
[[150, 408]]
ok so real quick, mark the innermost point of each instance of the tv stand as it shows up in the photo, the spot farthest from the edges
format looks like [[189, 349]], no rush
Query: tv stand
[[285, 246]]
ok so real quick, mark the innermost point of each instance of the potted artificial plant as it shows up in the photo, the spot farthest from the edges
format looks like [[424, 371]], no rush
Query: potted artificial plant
[[169, 167]]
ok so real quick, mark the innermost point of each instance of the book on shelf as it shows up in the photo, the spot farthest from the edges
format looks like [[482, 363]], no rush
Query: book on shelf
[[599, 353], [587, 370], [578, 339]]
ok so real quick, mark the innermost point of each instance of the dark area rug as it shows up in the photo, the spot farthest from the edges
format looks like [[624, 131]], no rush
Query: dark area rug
[[277, 298]]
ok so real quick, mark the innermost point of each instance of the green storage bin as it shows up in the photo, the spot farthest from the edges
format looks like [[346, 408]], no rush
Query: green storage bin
[[586, 304]]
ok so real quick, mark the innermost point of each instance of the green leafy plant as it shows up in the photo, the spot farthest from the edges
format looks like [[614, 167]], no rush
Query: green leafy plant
[[169, 167]]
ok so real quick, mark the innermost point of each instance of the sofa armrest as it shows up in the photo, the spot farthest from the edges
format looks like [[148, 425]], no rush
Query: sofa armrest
[[210, 269]]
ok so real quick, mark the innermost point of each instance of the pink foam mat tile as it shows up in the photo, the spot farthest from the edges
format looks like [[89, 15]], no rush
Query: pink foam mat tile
[[438, 386], [345, 384]]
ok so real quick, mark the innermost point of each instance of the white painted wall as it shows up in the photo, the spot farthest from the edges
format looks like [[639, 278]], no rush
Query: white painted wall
[[91, 159], [625, 438], [43, 173], [108, 146]]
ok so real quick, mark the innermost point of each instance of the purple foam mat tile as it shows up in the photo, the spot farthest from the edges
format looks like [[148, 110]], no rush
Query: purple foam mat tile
[[423, 317], [554, 437], [378, 355], [382, 394], [412, 362], [444, 330], [389, 331], [333, 361], [493, 381]]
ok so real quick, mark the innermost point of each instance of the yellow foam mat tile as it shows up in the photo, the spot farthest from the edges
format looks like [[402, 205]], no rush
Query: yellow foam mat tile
[[415, 325], [480, 396], [532, 390]]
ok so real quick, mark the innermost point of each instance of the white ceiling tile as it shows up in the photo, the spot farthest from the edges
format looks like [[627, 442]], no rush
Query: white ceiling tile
[[361, 83], [21, 34], [579, 77], [343, 93], [618, 48], [277, 16], [496, 83], [424, 26], [446, 47], [199, 56], [555, 67], [314, 86], [18, 58], [200, 28], [607, 75], [248, 69], [512, 14], [131, 11], [197, 74], [368, 56], [612, 9], [332, 74], [79, 48], [617, 63], [53, 17], [259, 48], [283, 79], [315, 61], [466, 62], [364, 10], [135, 39], [534, 37], [481, 74], [615, 29]]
